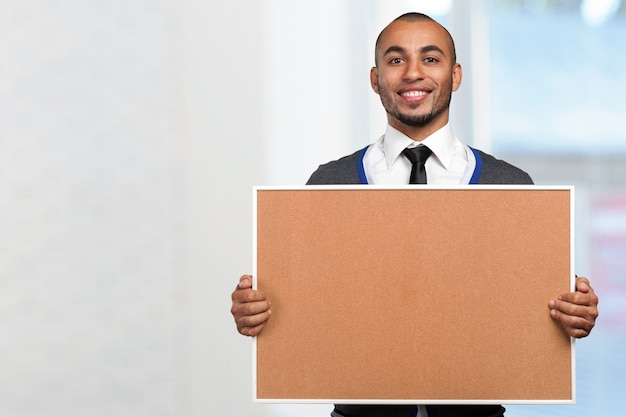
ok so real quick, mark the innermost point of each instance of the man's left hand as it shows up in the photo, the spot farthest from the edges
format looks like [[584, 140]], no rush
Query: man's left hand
[[577, 311]]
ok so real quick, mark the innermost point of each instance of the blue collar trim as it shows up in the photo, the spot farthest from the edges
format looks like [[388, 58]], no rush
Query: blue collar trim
[[361, 168], [479, 167]]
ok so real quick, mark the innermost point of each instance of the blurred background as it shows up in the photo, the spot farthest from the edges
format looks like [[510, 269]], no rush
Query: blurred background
[[132, 132]]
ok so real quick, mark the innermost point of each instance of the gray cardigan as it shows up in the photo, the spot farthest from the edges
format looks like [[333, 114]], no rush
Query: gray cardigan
[[348, 170]]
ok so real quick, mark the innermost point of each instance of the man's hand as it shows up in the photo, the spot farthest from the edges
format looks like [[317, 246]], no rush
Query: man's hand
[[577, 311], [250, 308]]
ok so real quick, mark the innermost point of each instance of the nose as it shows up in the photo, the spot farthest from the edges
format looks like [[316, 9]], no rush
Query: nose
[[413, 71]]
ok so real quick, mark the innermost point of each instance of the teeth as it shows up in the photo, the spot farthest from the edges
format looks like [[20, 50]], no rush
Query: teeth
[[414, 93]]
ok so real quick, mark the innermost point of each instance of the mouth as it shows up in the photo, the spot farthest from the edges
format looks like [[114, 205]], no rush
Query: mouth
[[413, 95]]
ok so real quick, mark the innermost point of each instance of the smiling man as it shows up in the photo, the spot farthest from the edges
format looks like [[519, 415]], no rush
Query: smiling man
[[415, 75]]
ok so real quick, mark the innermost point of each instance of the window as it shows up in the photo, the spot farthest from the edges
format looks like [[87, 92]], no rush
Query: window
[[556, 94]]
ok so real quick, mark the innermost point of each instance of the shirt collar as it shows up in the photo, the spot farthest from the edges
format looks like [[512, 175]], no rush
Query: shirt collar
[[441, 143]]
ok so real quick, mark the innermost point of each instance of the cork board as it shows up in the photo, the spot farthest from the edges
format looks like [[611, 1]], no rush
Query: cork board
[[413, 294]]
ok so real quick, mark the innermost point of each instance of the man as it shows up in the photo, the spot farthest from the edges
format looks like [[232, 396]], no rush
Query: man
[[415, 74]]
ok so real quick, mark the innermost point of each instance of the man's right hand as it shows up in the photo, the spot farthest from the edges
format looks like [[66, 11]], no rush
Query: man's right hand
[[250, 308]]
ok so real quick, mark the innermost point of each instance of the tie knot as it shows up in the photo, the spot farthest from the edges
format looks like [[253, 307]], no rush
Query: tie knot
[[418, 157], [417, 154]]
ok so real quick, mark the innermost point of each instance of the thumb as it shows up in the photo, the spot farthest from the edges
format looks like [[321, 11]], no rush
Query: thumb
[[245, 282], [582, 285]]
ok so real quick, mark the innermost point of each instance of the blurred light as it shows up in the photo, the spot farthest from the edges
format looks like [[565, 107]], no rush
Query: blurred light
[[431, 8], [536, 6], [596, 12]]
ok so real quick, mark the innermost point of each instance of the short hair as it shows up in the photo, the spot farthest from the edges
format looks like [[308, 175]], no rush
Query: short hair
[[414, 17]]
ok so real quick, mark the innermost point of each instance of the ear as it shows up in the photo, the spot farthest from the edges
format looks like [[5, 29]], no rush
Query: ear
[[457, 75], [374, 79]]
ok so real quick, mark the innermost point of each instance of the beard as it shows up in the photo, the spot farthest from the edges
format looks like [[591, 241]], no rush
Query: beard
[[441, 104], [420, 120]]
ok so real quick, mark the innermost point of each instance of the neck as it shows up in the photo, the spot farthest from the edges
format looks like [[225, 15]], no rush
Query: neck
[[417, 133]]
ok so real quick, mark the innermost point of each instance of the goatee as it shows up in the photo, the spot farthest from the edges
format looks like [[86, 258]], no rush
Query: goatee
[[420, 120]]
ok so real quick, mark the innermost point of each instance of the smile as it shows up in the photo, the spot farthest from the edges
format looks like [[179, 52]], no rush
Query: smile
[[413, 93]]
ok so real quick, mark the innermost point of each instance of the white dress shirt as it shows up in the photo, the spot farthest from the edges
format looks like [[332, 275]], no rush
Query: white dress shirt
[[451, 163]]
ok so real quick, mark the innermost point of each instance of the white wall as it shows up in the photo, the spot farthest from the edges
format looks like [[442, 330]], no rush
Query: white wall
[[90, 214], [128, 139], [221, 96]]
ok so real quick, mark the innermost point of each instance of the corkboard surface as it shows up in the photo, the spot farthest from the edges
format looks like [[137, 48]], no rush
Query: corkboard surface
[[423, 294]]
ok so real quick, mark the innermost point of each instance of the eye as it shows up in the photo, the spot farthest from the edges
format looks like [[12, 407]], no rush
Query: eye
[[396, 60], [431, 60]]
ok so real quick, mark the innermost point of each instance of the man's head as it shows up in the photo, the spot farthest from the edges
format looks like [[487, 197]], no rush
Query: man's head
[[415, 74]]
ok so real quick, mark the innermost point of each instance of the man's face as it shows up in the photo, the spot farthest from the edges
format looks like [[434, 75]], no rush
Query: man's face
[[415, 75]]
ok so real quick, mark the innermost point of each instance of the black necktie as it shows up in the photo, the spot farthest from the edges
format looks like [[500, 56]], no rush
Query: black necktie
[[418, 157]]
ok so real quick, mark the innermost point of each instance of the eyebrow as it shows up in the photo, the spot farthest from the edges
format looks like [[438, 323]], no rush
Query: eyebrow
[[392, 49], [432, 48], [424, 49]]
